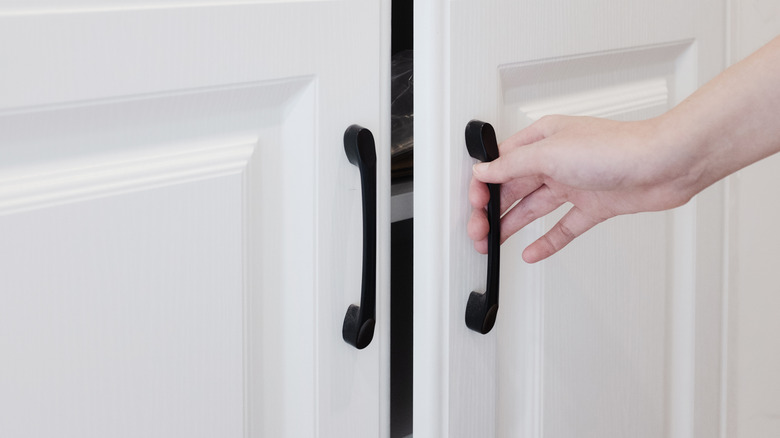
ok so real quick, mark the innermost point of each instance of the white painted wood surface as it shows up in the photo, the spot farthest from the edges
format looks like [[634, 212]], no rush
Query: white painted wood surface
[[179, 225], [618, 335], [753, 354]]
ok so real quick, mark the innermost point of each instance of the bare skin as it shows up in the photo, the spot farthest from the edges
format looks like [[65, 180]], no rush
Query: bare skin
[[607, 168]]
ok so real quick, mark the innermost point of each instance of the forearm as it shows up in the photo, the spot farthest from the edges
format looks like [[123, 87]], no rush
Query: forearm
[[732, 121]]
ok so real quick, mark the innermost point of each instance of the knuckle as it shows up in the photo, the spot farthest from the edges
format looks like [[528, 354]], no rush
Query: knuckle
[[547, 245], [566, 232], [546, 119], [549, 121]]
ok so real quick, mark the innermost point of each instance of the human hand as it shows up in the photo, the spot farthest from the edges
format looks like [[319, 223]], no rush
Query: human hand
[[604, 168], [607, 168]]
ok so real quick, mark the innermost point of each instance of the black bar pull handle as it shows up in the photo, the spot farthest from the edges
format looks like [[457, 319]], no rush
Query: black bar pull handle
[[481, 308], [359, 322]]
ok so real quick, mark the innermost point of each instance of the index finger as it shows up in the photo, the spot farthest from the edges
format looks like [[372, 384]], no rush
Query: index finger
[[522, 162]]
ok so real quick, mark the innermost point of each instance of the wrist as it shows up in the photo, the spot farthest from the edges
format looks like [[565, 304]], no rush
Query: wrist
[[685, 154]]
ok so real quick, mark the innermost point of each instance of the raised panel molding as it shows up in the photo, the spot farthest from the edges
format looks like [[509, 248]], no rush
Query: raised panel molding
[[45, 186], [628, 84], [176, 120], [75, 151], [650, 94]]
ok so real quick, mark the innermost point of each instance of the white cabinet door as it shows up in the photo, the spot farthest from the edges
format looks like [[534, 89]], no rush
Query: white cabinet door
[[753, 387], [179, 224], [619, 334]]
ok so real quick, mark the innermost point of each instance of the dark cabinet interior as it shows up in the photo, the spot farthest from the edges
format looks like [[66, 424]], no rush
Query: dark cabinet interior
[[401, 335], [401, 300]]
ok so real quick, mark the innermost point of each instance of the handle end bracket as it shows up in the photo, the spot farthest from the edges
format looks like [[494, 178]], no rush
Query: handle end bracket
[[480, 315], [354, 332]]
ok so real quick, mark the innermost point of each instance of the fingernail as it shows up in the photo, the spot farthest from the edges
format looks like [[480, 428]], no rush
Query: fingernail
[[481, 167]]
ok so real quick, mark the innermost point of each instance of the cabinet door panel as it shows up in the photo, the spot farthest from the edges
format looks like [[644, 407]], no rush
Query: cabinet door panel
[[178, 218], [605, 338]]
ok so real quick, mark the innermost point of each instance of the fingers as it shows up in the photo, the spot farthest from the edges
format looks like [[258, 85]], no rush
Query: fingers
[[533, 133], [572, 225], [523, 154], [540, 202], [520, 156], [526, 161], [518, 189], [537, 204], [478, 228], [520, 169], [478, 225], [479, 195], [537, 131]]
